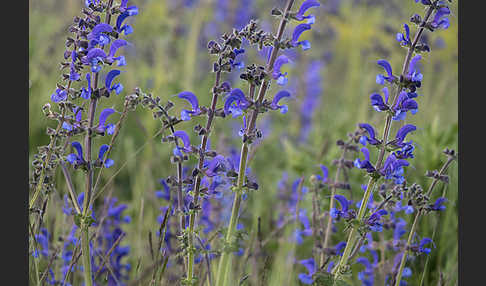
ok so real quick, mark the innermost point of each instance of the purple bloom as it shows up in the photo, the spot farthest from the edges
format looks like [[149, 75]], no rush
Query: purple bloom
[[366, 276], [118, 43], [303, 8], [165, 193], [278, 96], [310, 265], [377, 100], [393, 168], [374, 220], [78, 116], [439, 204], [127, 29], [94, 56], [59, 95], [185, 140], [76, 159], [380, 79], [424, 242], [102, 127], [439, 22], [325, 173], [404, 103], [344, 211], [371, 135], [236, 64], [399, 230], [117, 87], [425, 2], [277, 74], [86, 93], [307, 231], [404, 39], [401, 134], [364, 164], [235, 103], [108, 162], [296, 34], [192, 99], [406, 151], [413, 71], [214, 165], [98, 36]]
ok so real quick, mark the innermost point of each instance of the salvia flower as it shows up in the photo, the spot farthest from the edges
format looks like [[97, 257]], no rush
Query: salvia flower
[[94, 56], [59, 95], [380, 78], [108, 162], [118, 43], [165, 192], [310, 265], [215, 165], [233, 62], [371, 135], [102, 126], [76, 159], [366, 276], [303, 8], [117, 87], [424, 242], [235, 103], [307, 231], [277, 74], [296, 34], [406, 151], [185, 141], [377, 100], [278, 96], [404, 39], [192, 99], [404, 104], [344, 211], [73, 75], [425, 2], [374, 220], [86, 93], [364, 164], [439, 21], [126, 29], [393, 168], [439, 204], [77, 116], [401, 134], [413, 72], [98, 35], [325, 173]]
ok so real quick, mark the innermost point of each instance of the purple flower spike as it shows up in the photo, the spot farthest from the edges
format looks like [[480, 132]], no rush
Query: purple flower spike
[[192, 99], [108, 162], [277, 74], [235, 103], [371, 134], [380, 79], [404, 103], [94, 56], [86, 93], [378, 103], [404, 39], [303, 8], [274, 105], [127, 29], [364, 164], [185, 140], [296, 34], [76, 159], [102, 120], [117, 87], [59, 95], [439, 22], [97, 35]]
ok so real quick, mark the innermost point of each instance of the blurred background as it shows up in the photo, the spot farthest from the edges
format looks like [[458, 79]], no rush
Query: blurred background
[[330, 85]]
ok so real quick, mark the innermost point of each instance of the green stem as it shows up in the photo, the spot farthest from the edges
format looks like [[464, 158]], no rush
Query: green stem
[[86, 257]]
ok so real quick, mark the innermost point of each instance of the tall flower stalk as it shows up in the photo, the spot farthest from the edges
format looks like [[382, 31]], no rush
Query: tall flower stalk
[[406, 80]]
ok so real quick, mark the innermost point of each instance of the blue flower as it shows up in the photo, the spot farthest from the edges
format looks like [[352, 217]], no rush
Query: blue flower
[[296, 34], [165, 193], [277, 74], [185, 141], [117, 87], [344, 211], [235, 103], [303, 8], [371, 135], [214, 166], [307, 231], [404, 103], [102, 127], [404, 39], [380, 78], [310, 265], [78, 116], [98, 36], [413, 72], [374, 220], [76, 159], [439, 204], [73, 75], [59, 95], [325, 173], [127, 29], [94, 56], [278, 96], [366, 276], [364, 164], [425, 2], [401, 134], [400, 229], [377, 100], [86, 93], [108, 162], [406, 151], [118, 43], [439, 22], [424, 242], [192, 99], [236, 64], [393, 169]]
